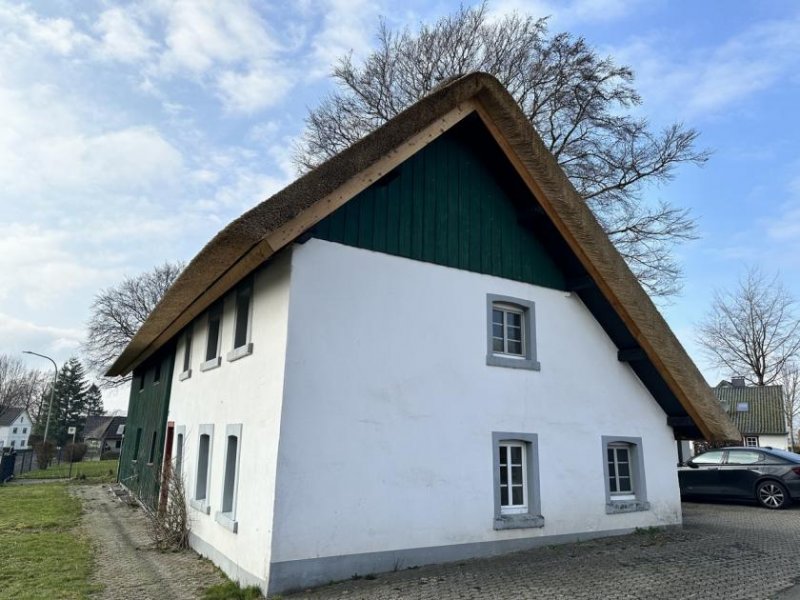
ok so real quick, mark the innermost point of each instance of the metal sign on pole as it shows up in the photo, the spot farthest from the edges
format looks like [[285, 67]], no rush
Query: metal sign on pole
[[73, 431]]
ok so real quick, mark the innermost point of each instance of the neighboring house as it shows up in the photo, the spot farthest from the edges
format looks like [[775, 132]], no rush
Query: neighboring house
[[103, 435], [15, 427], [424, 350], [757, 411]]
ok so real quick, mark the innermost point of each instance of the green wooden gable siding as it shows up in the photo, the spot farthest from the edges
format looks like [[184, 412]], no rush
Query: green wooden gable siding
[[450, 204], [147, 415]]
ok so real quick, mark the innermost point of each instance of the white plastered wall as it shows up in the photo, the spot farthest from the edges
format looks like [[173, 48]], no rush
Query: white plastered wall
[[389, 410], [247, 391], [780, 442]]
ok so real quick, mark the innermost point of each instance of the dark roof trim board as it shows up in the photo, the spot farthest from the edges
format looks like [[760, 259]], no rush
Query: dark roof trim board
[[255, 236]]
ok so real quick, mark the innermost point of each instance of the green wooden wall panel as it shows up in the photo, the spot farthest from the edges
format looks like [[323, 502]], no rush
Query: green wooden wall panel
[[147, 411], [449, 204]]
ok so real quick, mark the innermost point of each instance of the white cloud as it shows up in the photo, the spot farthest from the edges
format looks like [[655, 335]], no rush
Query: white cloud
[[122, 37], [253, 90], [347, 26], [566, 14], [61, 341], [20, 26]]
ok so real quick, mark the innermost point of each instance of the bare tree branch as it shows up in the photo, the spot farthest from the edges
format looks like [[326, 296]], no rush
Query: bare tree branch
[[753, 330], [118, 312], [579, 102]]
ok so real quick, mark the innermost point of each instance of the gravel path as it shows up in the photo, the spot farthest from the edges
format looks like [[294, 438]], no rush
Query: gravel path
[[126, 563]]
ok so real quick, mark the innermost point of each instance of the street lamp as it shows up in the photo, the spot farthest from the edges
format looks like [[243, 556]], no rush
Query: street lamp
[[52, 391]]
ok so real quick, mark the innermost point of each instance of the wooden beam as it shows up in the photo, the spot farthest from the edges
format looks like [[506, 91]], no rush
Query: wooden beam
[[683, 422], [631, 354]]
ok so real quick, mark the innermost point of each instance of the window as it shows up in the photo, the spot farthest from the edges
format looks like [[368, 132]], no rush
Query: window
[[744, 457], [24, 430], [241, 331], [13, 443], [181, 434], [511, 333], [751, 441], [227, 516], [203, 474], [623, 466], [212, 339], [153, 443], [709, 458], [516, 481], [117, 444], [136, 444], [14, 430], [187, 353], [23, 443], [742, 406]]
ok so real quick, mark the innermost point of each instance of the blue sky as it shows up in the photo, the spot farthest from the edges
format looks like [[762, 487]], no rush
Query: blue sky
[[130, 133]]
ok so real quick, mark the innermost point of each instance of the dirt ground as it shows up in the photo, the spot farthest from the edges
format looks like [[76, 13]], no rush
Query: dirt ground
[[126, 563]]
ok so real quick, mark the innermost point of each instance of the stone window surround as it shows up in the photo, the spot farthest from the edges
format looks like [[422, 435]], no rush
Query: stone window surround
[[532, 518], [203, 505], [528, 308], [228, 519], [636, 451]]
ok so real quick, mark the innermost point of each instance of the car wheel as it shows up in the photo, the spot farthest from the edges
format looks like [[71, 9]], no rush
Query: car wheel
[[772, 494]]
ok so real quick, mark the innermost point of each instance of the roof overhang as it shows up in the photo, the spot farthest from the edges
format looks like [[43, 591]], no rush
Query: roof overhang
[[264, 230]]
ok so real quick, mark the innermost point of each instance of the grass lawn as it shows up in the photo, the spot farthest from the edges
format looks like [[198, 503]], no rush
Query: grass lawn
[[95, 471], [42, 554]]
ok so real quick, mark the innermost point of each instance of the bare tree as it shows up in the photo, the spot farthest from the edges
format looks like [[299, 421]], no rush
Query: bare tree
[[790, 378], [118, 312], [580, 103], [20, 386], [753, 330]]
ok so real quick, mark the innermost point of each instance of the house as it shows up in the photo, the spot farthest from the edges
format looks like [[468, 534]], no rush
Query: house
[[103, 435], [424, 350], [757, 411], [15, 427]]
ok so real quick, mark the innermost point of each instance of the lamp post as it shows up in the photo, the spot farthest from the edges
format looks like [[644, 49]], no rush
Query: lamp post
[[52, 391]]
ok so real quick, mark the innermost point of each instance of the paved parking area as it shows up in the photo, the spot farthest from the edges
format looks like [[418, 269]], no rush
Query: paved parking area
[[723, 552]]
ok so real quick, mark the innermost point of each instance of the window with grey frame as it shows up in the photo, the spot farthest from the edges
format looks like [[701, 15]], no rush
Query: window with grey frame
[[511, 333], [200, 500], [623, 467], [517, 501], [227, 514], [213, 337], [187, 353], [180, 436], [242, 346]]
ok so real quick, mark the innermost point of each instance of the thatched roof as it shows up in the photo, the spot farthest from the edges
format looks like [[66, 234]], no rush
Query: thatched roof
[[264, 230]]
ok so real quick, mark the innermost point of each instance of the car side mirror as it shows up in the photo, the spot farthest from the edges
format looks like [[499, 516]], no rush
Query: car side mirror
[[692, 464]]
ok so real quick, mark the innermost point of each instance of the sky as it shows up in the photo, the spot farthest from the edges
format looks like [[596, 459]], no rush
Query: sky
[[132, 132]]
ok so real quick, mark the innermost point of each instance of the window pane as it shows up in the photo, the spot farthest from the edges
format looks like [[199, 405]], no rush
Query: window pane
[[612, 483], [213, 339], [625, 484], [624, 470], [709, 458], [504, 496], [622, 454], [497, 331], [612, 468], [497, 345], [503, 475], [516, 475], [503, 454], [610, 454], [516, 455], [514, 347], [514, 320], [516, 495], [497, 317], [187, 350], [242, 316]]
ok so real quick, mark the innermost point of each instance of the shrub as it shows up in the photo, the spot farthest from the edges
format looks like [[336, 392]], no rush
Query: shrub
[[44, 453], [169, 524], [74, 452]]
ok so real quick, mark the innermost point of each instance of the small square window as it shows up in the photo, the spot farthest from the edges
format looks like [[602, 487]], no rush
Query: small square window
[[751, 441], [24, 430], [14, 430], [623, 465], [511, 333]]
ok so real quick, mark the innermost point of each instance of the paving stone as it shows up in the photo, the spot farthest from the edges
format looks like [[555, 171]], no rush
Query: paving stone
[[730, 552]]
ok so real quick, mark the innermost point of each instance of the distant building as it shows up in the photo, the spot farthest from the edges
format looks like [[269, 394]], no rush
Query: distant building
[[757, 411], [103, 435], [15, 427]]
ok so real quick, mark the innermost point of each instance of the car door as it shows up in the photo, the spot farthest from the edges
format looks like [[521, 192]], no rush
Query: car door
[[702, 479], [738, 474]]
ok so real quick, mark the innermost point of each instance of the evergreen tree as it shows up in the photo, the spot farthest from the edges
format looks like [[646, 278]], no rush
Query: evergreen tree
[[69, 404], [94, 401]]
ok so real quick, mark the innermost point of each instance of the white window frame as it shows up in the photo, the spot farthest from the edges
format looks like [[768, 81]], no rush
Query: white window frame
[[510, 508], [618, 493], [751, 441], [527, 311], [636, 499], [527, 514], [506, 310]]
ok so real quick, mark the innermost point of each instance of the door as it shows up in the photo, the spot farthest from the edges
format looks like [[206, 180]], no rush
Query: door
[[702, 480]]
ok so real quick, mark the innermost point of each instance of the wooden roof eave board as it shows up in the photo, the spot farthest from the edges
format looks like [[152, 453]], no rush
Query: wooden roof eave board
[[134, 355]]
